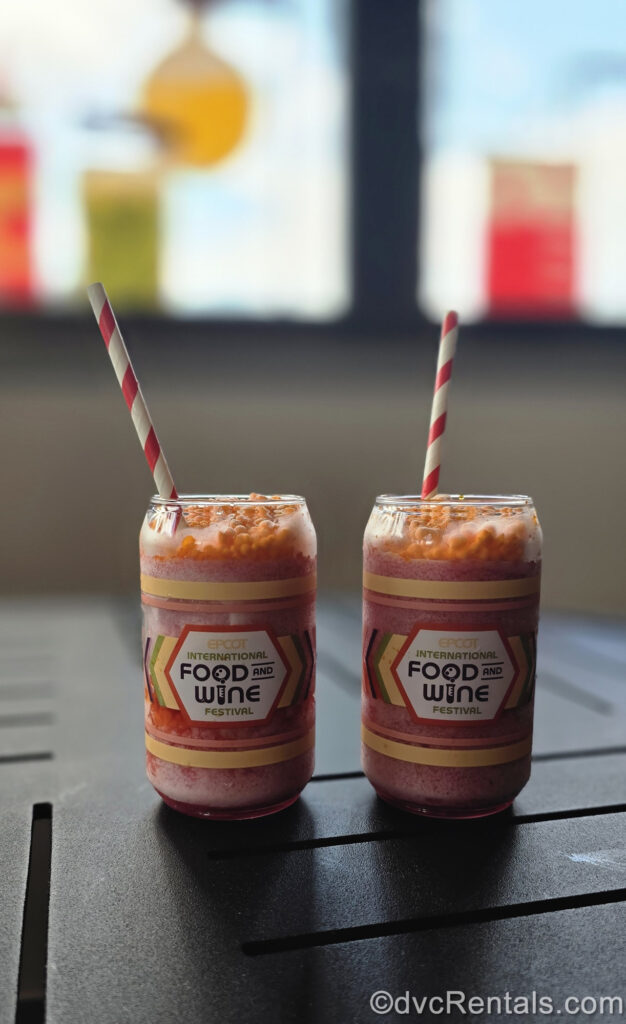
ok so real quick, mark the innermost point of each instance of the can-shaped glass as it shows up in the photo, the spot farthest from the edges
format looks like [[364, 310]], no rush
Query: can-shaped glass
[[228, 588], [450, 615]]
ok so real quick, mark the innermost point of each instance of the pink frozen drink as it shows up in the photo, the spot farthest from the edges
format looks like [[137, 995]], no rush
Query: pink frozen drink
[[228, 593], [450, 613]]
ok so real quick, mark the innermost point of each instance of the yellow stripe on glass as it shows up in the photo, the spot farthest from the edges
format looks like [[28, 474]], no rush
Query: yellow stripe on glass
[[158, 586], [230, 758], [478, 590], [440, 758]]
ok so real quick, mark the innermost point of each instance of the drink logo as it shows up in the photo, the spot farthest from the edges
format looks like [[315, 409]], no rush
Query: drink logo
[[455, 676], [226, 674]]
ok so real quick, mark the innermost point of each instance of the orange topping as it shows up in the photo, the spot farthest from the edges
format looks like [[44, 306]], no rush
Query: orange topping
[[242, 514], [451, 533], [238, 530]]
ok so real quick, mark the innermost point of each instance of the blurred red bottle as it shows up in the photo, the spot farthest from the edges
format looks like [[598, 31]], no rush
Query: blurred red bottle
[[16, 276]]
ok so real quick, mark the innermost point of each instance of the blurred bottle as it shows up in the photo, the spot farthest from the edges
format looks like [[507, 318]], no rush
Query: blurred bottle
[[196, 101], [120, 196], [531, 244], [16, 219]]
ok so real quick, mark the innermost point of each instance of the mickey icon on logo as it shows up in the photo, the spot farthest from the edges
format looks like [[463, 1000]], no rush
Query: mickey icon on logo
[[450, 673]]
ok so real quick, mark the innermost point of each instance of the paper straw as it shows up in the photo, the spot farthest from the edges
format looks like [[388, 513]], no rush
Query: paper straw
[[130, 389], [438, 412]]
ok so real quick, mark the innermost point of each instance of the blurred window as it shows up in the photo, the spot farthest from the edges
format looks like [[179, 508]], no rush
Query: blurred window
[[191, 155], [523, 206]]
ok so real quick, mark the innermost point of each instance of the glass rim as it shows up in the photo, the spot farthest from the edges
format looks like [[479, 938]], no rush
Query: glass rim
[[186, 500], [456, 500]]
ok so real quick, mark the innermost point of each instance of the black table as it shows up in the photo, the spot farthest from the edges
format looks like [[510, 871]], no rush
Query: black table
[[116, 909]]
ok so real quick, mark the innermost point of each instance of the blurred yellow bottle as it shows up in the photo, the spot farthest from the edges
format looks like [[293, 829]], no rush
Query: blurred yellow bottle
[[196, 102], [122, 235]]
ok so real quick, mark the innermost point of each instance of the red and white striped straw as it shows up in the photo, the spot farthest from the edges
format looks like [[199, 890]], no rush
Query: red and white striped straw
[[130, 389], [438, 412]]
